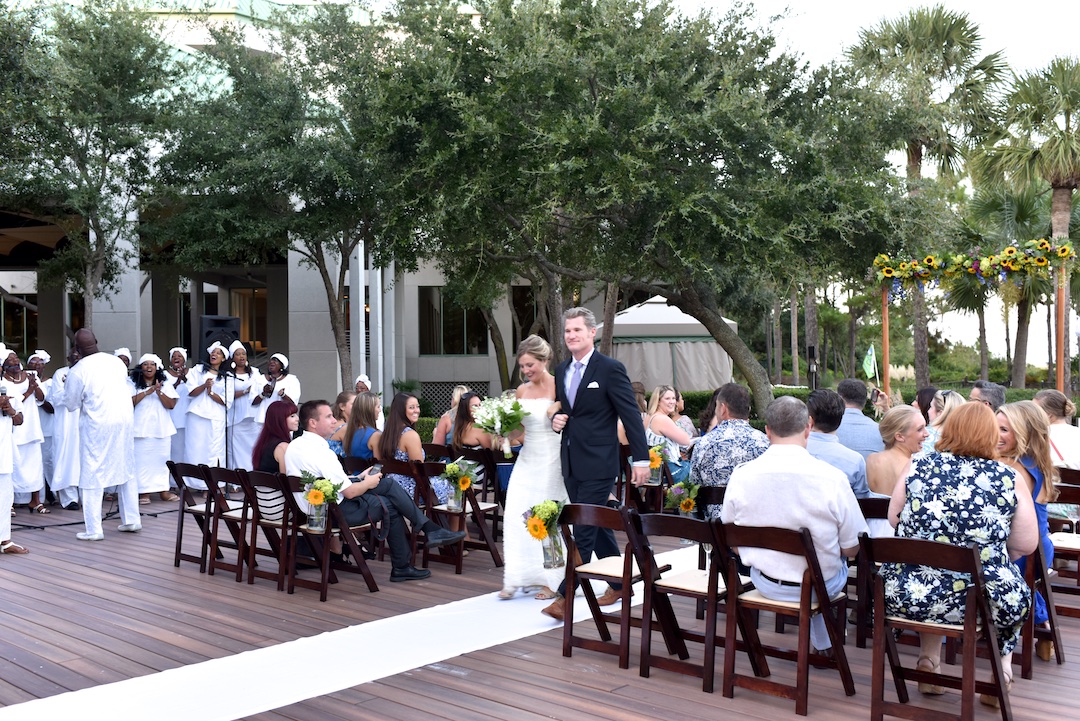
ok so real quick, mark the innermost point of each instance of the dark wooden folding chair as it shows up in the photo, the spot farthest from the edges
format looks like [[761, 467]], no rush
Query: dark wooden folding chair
[[705, 584], [860, 578], [648, 498], [1067, 546], [489, 493], [613, 569], [405, 468], [356, 466], [438, 452], [1038, 580], [814, 599], [319, 543], [977, 630], [233, 515], [191, 506], [269, 515]]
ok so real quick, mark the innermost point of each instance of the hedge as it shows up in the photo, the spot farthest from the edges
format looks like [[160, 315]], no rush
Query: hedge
[[425, 427]]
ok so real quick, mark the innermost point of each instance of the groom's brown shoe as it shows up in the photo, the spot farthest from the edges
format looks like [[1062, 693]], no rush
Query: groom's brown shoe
[[610, 597], [557, 608]]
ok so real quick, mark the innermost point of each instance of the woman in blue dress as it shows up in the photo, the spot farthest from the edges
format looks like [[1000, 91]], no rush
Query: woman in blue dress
[[361, 434], [960, 494], [1024, 444]]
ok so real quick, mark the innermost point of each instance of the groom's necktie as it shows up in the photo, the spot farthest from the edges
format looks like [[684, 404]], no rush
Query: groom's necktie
[[575, 381]]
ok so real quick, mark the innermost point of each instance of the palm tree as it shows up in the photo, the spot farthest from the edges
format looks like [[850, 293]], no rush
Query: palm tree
[[1041, 144], [928, 62]]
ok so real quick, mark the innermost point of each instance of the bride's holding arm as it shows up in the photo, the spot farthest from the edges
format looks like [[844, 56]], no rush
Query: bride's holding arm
[[537, 475]]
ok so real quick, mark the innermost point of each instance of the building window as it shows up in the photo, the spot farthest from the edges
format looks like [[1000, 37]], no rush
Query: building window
[[20, 324], [448, 329]]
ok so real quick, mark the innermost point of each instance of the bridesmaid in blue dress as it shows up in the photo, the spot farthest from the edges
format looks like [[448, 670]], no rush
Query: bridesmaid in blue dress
[[361, 434]]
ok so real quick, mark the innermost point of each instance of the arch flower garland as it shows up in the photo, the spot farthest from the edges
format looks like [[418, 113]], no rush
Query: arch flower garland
[[1032, 257]]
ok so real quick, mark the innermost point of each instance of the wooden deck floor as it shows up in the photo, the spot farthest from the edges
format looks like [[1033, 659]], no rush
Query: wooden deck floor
[[78, 614]]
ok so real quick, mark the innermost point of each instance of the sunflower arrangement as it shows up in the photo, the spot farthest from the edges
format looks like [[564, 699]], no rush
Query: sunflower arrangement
[[540, 520], [319, 490], [1032, 257], [657, 456], [682, 496], [460, 474]]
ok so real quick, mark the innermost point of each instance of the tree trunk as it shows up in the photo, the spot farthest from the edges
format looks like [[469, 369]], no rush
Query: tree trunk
[[849, 371], [777, 342], [1060, 214], [1008, 340], [495, 332], [811, 334], [914, 165], [553, 300], [1023, 325], [984, 352], [794, 335], [704, 309], [919, 335], [611, 303]]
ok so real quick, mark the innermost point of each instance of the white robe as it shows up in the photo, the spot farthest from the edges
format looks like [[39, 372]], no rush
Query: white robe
[[154, 430], [289, 385], [65, 434], [7, 464], [98, 386], [29, 474], [46, 431], [204, 437], [243, 432], [179, 417]]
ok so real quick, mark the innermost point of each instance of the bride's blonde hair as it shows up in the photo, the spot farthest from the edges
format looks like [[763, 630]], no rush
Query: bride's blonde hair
[[535, 346]]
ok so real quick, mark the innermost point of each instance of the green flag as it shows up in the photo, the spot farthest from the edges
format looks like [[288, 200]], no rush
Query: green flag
[[869, 364]]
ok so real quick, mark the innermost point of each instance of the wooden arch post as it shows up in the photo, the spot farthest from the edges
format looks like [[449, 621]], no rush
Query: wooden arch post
[[885, 340], [1059, 364]]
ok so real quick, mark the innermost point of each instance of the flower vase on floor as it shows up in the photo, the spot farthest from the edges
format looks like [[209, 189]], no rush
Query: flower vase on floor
[[554, 556], [316, 518]]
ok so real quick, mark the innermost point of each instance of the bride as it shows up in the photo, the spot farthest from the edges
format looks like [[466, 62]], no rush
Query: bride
[[537, 475]]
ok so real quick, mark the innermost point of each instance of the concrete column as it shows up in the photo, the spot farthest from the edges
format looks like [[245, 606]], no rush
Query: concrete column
[[165, 307], [357, 322], [377, 373], [52, 319], [312, 353]]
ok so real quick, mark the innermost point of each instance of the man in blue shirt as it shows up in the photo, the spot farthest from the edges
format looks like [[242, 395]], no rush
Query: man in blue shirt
[[857, 432], [826, 409]]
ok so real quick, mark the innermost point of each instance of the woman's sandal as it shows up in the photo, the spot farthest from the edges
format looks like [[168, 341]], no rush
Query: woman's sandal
[[993, 701], [507, 593], [545, 594], [12, 548], [925, 663], [40, 508]]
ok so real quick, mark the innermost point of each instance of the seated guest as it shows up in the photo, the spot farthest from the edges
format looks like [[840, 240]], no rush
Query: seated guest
[[400, 442], [369, 499], [856, 431], [826, 409], [342, 410], [989, 394], [935, 502], [944, 403], [786, 487], [731, 442], [923, 398], [361, 435], [444, 429], [466, 434], [902, 431], [277, 431], [661, 431], [1064, 436]]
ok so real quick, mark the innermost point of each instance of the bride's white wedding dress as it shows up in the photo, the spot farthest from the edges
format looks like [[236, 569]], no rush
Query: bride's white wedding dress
[[537, 477]]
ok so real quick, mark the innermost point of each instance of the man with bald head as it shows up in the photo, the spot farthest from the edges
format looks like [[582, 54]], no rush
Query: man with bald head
[[97, 387]]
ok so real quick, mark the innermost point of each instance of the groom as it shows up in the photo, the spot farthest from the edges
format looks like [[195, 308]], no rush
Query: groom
[[594, 393]]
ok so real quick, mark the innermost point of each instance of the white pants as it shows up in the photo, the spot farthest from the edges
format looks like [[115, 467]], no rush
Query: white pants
[[7, 497], [819, 636], [127, 493], [68, 495]]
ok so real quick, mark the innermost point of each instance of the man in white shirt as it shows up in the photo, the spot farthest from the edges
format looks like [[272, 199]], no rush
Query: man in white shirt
[[815, 495], [98, 387], [370, 499]]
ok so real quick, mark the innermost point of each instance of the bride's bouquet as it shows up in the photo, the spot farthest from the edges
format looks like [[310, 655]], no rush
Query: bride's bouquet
[[500, 416]]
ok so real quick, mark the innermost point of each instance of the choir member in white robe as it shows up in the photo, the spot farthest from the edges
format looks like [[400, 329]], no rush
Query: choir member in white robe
[[363, 385], [98, 385], [177, 378], [275, 385], [153, 396], [207, 412], [36, 364], [64, 480], [28, 478], [124, 354], [10, 416], [244, 384]]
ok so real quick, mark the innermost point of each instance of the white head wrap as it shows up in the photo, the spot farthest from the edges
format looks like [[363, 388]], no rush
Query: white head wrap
[[235, 346], [281, 359], [126, 352], [182, 351], [43, 355], [150, 357], [216, 345], [362, 379], [4, 352]]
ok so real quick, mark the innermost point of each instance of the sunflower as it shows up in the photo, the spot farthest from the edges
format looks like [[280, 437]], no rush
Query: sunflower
[[930, 261], [972, 270], [315, 497], [464, 483], [1044, 244], [537, 529], [1064, 251], [903, 267], [655, 459], [687, 505], [1040, 261], [1009, 252], [888, 272], [881, 260]]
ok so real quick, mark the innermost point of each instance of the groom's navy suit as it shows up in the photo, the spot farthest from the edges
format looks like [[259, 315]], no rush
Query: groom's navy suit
[[590, 441]]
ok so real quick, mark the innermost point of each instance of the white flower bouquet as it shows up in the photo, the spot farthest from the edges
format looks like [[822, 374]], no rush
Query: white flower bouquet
[[500, 416]]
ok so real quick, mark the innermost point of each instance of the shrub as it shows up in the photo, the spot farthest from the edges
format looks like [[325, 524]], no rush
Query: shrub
[[425, 426]]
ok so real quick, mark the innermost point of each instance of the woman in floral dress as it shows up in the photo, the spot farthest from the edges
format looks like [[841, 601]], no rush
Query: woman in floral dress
[[960, 494]]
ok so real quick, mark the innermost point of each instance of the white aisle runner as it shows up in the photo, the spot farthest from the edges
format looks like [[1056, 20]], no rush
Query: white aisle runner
[[348, 657]]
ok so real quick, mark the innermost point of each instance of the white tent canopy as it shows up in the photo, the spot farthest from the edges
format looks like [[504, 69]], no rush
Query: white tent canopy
[[659, 344]]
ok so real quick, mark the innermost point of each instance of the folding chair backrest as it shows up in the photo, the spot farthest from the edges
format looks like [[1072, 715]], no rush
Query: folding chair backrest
[[920, 552], [264, 494], [710, 496], [874, 507], [1068, 492], [782, 540], [355, 466], [1070, 476], [182, 471], [437, 451], [662, 524]]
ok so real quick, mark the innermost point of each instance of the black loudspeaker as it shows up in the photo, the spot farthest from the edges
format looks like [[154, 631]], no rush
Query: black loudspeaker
[[222, 328]]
